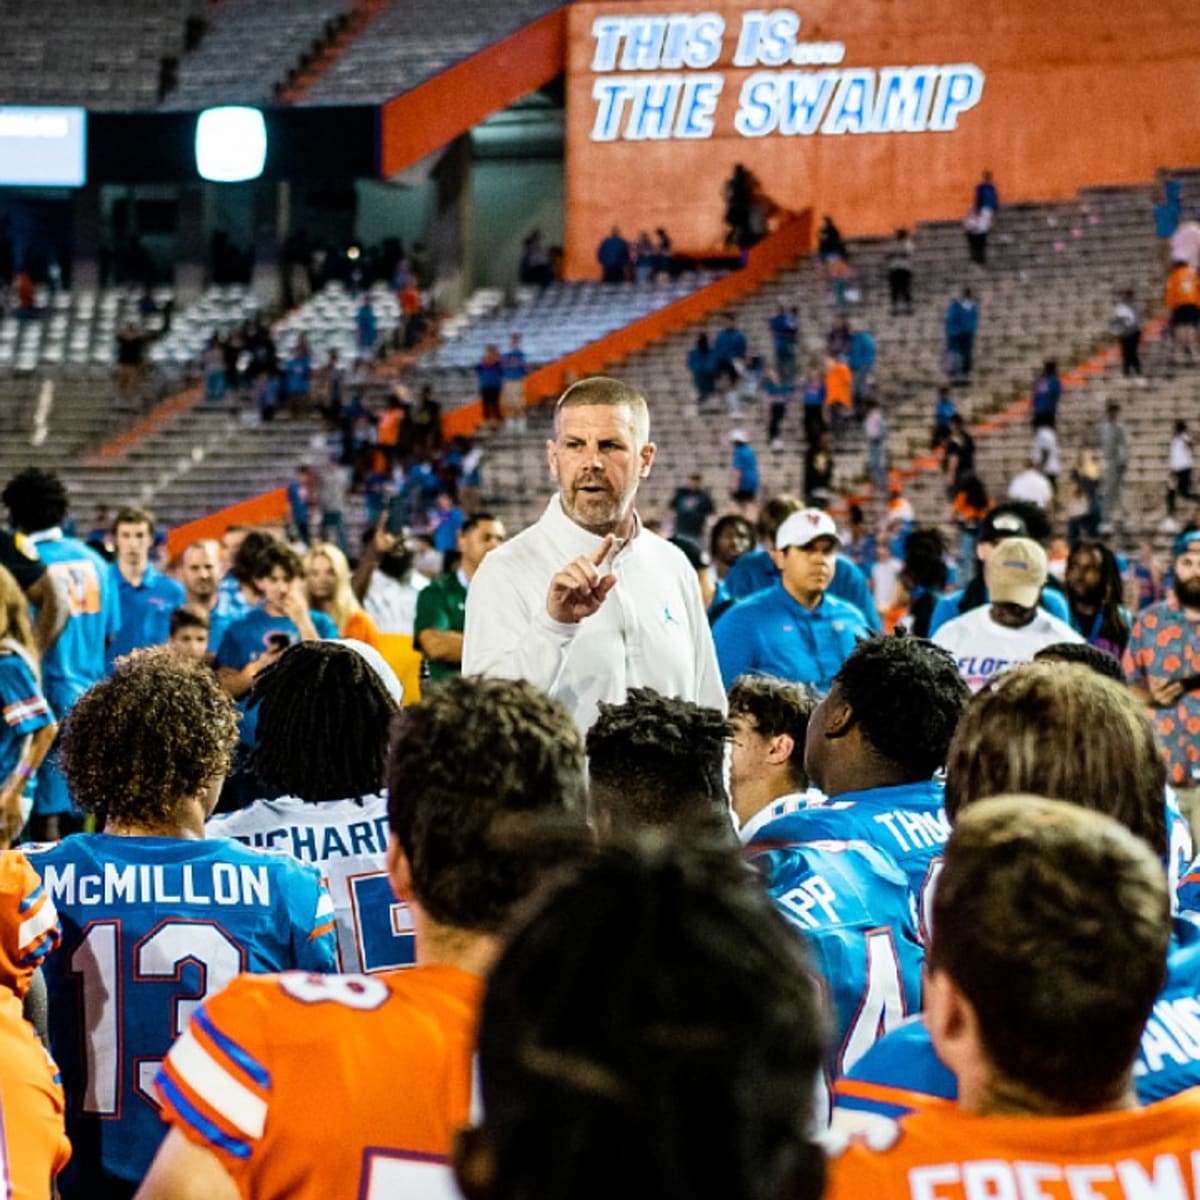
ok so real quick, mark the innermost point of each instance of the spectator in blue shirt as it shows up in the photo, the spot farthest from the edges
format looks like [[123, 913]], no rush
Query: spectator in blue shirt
[[756, 571], [986, 195], [489, 371], [513, 368], [613, 257], [745, 468], [148, 597], [785, 332], [861, 359], [367, 328], [730, 348], [298, 377], [962, 323], [703, 368], [794, 630], [255, 641], [448, 520], [1047, 391], [943, 410]]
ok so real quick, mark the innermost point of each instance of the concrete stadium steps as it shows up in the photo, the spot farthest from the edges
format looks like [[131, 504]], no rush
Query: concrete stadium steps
[[1054, 272]]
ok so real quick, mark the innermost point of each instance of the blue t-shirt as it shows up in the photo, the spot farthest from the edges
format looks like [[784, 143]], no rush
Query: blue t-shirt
[[152, 925], [491, 375], [946, 609], [231, 606], [745, 463], [78, 660], [446, 526], [1168, 1060], [145, 610], [813, 395], [298, 375], [513, 365], [756, 571], [907, 822], [855, 909], [729, 344], [24, 709], [772, 633], [1047, 392], [248, 638]]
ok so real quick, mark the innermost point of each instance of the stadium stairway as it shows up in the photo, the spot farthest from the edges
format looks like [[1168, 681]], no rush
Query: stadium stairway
[[1048, 292]]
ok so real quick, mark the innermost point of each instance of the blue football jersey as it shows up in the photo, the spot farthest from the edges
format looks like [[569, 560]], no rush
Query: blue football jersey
[[902, 1072], [152, 926], [855, 909], [78, 658], [908, 823]]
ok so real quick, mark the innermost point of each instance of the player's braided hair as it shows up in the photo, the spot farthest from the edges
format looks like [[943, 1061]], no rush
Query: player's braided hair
[[155, 732], [652, 1030], [1091, 657], [323, 717]]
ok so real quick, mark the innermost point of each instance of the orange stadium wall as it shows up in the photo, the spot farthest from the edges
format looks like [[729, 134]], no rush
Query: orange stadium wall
[[1051, 95]]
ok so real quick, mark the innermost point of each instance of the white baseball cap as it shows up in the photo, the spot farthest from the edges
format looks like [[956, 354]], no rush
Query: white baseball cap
[[804, 527]]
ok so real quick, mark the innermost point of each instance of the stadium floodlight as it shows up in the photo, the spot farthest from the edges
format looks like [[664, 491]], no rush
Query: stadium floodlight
[[231, 144]]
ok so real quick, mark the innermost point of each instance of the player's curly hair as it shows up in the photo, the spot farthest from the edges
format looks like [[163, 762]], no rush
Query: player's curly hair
[[907, 696], [323, 717], [471, 765], [35, 500], [652, 1030], [656, 761], [154, 733]]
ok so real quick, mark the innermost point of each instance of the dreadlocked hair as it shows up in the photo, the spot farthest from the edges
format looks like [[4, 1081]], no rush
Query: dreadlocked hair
[[652, 1030], [155, 732], [1114, 623], [323, 717]]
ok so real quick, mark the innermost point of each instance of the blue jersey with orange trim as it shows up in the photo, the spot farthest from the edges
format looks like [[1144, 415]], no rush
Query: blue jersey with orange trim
[[386, 1057], [29, 926], [902, 1072], [151, 926], [855, 909], [77, 659], [907, 822], [23, 707]]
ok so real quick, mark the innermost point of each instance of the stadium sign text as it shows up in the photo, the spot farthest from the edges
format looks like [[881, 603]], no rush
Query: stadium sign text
[[655, 82]]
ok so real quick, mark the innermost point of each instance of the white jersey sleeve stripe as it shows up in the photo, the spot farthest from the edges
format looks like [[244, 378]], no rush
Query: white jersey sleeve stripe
[[217, 1087], [36, 926]]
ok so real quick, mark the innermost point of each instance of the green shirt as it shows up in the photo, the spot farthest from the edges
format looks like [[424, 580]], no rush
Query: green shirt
[[441, 606]]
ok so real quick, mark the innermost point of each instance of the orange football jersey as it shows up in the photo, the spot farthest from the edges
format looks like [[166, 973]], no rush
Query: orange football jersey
[[946, 1154], [29, 927], [311, 1086], [33, 1140]]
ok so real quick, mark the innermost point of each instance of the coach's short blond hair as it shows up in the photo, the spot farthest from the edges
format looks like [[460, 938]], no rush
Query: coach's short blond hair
[[601, 390]]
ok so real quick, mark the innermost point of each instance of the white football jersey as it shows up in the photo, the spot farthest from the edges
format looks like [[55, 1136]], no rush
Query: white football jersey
[[347, 840]]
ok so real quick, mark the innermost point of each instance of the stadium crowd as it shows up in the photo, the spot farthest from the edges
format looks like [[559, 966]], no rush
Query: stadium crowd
[[334, 879]]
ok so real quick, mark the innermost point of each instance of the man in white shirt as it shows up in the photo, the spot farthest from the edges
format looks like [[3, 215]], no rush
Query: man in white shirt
[[585, 604], [1011, 629], [1032, 486]]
